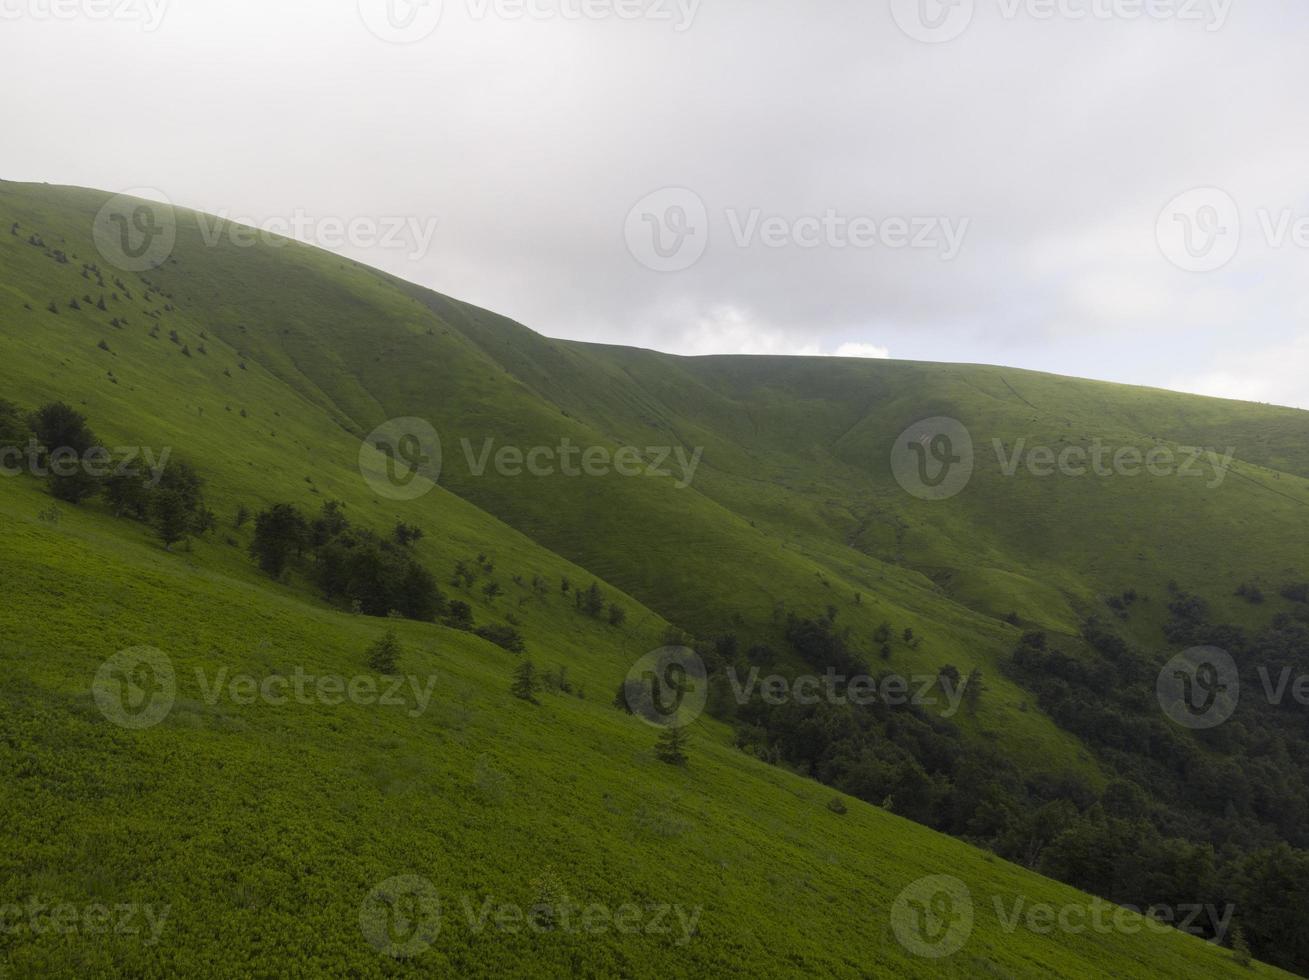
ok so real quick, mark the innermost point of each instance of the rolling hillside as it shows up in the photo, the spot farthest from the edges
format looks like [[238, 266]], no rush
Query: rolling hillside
[[263, 828]]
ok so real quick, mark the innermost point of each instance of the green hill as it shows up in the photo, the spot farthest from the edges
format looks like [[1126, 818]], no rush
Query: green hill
[[265, 827]]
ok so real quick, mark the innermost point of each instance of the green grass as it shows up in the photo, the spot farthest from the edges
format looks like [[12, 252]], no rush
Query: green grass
[[264, 828]]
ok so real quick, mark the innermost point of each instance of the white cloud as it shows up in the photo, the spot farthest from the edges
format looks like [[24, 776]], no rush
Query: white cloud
[[1278, 374], [862, 350]]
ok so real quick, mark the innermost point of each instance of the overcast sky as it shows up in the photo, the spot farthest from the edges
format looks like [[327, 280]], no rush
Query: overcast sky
[[1001, 181]]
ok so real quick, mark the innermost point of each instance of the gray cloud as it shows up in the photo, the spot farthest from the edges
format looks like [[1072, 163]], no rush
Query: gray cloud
[[1058, 141]]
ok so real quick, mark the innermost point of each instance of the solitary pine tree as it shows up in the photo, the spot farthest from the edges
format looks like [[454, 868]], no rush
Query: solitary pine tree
[[973, 688], [171, 516], [383, 654], [671, 747], [525, 683]]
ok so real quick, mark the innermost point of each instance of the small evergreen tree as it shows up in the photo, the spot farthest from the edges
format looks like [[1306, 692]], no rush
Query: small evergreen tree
[[383, 654], [671, 747], [1240, 948], [280, 531], [973, 690], [526, 685]]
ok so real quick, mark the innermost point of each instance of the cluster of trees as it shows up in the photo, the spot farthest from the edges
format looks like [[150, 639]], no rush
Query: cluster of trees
[[1214, 817], [591, 602], [1218, 815], [77, 467], [354, 567]]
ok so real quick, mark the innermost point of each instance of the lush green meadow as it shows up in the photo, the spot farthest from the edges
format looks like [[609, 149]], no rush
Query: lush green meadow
[[262, 828]]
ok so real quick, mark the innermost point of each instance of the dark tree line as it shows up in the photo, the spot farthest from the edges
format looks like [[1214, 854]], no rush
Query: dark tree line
[[353, 566], [1217, 815], [77, 467]]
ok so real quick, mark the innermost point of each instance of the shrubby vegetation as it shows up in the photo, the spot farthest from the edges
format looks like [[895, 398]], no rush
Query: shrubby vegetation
[[1216, 815], [171, 501], [354, 567]]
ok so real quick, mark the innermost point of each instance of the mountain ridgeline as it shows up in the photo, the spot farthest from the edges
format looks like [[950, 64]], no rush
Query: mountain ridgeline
[[939, 610]]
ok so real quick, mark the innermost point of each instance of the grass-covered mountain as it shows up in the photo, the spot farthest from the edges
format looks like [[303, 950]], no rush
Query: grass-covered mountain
[[263, 828]]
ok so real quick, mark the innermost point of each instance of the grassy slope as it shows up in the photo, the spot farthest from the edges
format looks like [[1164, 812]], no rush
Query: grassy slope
[[319, 804]]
